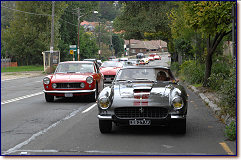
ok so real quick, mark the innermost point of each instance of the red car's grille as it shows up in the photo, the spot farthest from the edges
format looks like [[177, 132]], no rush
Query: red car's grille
[[112, 77], [141, 112], [68, 85]]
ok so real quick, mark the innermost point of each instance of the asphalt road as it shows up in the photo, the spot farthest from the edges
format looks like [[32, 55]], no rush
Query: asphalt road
[[31, 126]]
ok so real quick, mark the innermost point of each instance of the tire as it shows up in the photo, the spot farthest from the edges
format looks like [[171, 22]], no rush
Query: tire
[[49, 98], [93, 97], [105, 126], [179, 126]]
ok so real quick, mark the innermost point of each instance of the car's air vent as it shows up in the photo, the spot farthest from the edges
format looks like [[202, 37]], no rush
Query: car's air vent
[[68, 85], [142, 90], [141, 112]]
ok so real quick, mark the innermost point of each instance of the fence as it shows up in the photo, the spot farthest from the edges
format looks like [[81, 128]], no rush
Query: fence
[[6, 62]]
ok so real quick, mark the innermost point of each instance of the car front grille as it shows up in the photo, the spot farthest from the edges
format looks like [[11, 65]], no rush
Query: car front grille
[[141, 112], [109, 76], [68, 85]]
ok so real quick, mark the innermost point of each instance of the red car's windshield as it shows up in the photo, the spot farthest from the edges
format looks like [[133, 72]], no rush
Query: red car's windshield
[[75, 68], [111, 64]]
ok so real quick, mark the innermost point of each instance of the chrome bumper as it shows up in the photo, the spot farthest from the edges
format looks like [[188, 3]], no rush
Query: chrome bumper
[[104, 117], [72, 91], [178, 116]]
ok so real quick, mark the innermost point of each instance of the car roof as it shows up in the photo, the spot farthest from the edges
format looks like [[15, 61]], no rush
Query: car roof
[[77, 62], [147, 67]]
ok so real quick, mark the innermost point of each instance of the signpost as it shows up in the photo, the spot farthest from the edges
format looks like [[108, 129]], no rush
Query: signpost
[[73, 49]]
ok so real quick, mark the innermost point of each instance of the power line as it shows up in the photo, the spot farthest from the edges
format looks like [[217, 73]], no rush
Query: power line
[[26, 12], [37, 14]]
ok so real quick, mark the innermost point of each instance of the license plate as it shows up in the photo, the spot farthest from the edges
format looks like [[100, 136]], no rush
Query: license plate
[[68, 94], [108, 79], [140, 122]]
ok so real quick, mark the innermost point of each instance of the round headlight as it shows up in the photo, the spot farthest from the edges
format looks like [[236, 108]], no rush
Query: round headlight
[[104, 103], [89, 80], [82, 85], [54, 85], [177, 102], [46, 80]]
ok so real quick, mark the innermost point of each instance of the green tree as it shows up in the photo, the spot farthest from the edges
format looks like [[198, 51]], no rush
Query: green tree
[[118, 45], [213, 19], [29, 32], [6, 13], [144, 20], [69, 25]]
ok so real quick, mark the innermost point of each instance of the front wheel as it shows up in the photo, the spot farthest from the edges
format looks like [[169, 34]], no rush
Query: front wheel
[[105, 126], [49, 98]]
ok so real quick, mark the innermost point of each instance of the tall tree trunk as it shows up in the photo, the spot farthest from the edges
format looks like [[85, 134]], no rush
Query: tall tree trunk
[[208, 68], [211, 47]]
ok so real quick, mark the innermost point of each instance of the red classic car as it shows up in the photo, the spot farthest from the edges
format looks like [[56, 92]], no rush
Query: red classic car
[[109, 69], [74, 78], [157, 57]]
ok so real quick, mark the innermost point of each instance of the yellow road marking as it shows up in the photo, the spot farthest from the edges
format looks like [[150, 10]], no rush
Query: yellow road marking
[[226, 148]]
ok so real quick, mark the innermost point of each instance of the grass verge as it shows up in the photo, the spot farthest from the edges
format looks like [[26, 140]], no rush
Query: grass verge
[[22, 69]]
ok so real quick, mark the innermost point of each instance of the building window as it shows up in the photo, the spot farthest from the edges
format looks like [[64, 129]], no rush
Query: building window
[[133, 51]]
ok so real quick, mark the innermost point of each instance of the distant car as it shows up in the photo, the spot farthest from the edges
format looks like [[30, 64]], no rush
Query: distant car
[[142, 62], [123, 59], [146, 60], [151, 58], [99, 62], [73, 78], [157, 57], [140, 55], [143, 96], [92, 60], [152, 54], [112, 57], [135, 62], [115, 60], [109, 69], [127, 63]]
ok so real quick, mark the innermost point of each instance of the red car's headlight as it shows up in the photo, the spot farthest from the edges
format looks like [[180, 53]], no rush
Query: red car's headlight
[[46, 80], [89, 80]]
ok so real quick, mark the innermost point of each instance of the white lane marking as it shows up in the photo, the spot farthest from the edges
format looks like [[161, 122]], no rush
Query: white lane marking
[[34, 136], [20, 98], [89, 108]]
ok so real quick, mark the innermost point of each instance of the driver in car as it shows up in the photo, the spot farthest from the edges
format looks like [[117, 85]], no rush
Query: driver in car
[[161, 76]]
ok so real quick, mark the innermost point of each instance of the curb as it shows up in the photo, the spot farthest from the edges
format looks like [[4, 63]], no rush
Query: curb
[[226, 119]]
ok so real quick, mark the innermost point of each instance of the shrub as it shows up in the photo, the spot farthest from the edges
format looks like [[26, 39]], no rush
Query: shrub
[[192, 72], [216, 80], [230, 131], [175, 67], [228, 93]]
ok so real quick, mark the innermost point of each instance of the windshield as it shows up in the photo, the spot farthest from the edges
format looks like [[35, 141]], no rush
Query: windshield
[[149, 74], [75, 68], [111, 64], [136, 74]]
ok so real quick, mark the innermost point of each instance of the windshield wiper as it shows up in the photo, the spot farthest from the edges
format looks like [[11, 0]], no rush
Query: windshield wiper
[[145, 79], [71, 72], [142, 79], [121, 80]]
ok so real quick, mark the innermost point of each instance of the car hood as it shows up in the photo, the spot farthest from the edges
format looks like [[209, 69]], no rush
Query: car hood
[[58, 78], [109, 70], [144, 94]]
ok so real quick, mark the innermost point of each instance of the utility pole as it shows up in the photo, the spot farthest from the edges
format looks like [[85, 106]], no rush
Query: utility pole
[[99, 39], [78, 33], [111, 44], [52, 36], [234, 30]]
